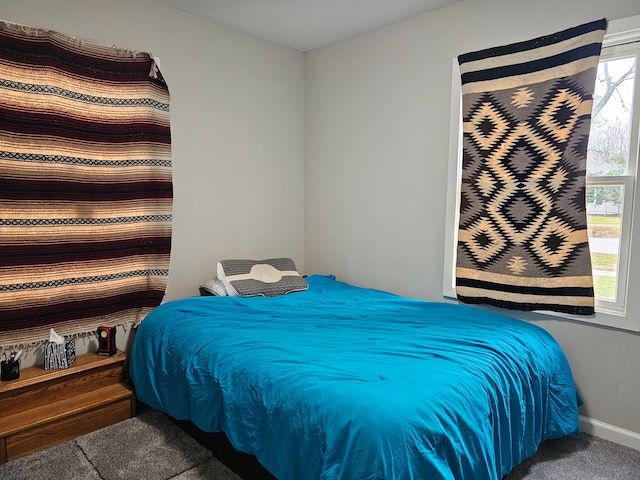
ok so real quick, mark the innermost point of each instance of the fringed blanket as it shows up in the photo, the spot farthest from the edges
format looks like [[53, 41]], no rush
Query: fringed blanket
[[522, 238], [85, 185]]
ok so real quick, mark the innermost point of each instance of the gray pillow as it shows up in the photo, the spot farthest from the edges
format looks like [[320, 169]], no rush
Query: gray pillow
[[269, 278]]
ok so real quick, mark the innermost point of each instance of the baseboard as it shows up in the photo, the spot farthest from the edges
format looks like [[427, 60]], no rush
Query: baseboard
[[610, 432]]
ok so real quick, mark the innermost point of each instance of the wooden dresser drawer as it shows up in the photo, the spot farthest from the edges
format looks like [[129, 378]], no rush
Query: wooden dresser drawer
[[46, 407], [67, 428]]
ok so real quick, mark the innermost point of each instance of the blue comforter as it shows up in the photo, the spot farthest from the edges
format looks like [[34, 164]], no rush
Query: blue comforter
[[341, 382]]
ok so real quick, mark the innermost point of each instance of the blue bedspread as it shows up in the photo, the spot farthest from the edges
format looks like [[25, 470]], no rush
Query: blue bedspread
[[341, 382]]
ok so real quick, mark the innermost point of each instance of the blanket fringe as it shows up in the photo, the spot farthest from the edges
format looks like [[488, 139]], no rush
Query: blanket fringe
[[85, 337]]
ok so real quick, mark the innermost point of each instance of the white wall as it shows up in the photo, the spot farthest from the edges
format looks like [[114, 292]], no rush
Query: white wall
[[377, 149], [237, 126]]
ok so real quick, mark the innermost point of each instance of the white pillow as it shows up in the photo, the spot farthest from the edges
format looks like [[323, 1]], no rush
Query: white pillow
[[215, 286]]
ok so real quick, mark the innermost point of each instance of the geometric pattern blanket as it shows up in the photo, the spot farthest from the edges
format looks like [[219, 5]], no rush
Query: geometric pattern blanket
[[85, 185], [526, 109]]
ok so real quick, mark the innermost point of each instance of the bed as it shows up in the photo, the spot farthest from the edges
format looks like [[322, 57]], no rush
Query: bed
[[344, 382]]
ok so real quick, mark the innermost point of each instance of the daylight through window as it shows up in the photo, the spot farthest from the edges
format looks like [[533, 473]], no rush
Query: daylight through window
[[611, 168]]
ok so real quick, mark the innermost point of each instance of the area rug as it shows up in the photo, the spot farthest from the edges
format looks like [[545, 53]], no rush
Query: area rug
[[147, 447], [522, 238]]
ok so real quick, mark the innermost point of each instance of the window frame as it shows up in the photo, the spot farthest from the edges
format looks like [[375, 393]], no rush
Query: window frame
[[608, 313]]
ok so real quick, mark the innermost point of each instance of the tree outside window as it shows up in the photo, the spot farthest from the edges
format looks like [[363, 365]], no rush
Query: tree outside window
[[609, 170]]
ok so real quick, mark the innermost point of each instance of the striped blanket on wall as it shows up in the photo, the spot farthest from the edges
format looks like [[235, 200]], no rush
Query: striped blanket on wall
[[85, 185], [522, 238]]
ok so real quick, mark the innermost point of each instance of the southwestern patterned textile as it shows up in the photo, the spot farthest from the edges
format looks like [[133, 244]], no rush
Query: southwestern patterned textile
[[522, 238], [85, 185]]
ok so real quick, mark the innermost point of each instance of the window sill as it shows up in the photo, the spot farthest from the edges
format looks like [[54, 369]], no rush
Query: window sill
[[600, 319]]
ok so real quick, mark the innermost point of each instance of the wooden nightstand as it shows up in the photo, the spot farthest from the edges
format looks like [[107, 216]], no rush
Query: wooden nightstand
[[46, 407]]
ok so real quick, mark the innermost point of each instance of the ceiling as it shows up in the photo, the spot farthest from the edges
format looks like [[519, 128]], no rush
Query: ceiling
[[306, 24]]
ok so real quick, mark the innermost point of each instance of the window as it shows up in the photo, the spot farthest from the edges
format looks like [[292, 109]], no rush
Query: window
[[612, 163], [611, 171]]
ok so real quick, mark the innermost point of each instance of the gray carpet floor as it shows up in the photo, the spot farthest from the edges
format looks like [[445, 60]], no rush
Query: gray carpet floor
[[147, 447], [151, 446]]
